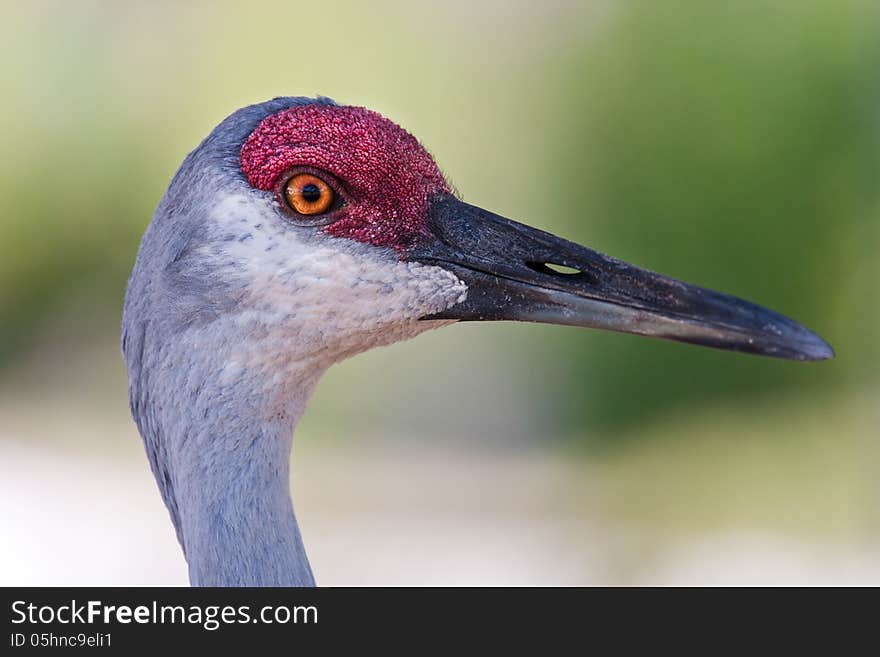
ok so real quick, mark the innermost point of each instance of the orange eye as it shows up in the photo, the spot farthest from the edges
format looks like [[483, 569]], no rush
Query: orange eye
[[308, 194]]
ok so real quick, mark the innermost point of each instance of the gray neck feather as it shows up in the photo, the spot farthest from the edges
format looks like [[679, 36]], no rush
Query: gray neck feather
[[233, 498], [219, 441], [231, 316]]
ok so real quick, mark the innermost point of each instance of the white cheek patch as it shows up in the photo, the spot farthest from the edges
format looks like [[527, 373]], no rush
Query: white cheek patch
[[319, 298]]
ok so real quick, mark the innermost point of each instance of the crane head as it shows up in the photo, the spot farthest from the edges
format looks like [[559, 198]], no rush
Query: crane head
[[324, 230], [301, 232]]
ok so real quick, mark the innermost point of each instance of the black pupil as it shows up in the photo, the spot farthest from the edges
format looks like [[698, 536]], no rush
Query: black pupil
[[311, 193]]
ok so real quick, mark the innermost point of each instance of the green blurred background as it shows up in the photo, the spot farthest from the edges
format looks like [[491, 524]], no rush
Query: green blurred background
[[734, 145]]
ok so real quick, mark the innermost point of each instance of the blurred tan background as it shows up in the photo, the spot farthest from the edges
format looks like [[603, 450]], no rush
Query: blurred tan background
[[735, 145]]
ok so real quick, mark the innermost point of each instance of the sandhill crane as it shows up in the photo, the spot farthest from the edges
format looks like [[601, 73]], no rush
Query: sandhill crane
[[301, 232]]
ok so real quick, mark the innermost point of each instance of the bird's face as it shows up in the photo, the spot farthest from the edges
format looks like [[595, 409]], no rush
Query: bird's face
[[349, 237], [317, 238]]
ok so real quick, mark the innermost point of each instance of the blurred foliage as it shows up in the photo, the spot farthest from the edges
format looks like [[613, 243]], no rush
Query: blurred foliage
[[734, 145]]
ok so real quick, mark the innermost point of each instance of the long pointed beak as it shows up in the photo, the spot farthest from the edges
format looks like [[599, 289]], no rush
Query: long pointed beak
[[515, 272]]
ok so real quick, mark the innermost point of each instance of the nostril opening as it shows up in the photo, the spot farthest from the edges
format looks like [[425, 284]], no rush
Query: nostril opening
[[560, 271]]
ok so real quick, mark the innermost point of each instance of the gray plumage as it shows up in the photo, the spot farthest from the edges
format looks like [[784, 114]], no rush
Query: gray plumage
[[170, 290], [224, 339]]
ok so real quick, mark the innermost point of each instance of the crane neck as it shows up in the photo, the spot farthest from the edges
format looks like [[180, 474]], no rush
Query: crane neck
[[231, 490], [237, 521]]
